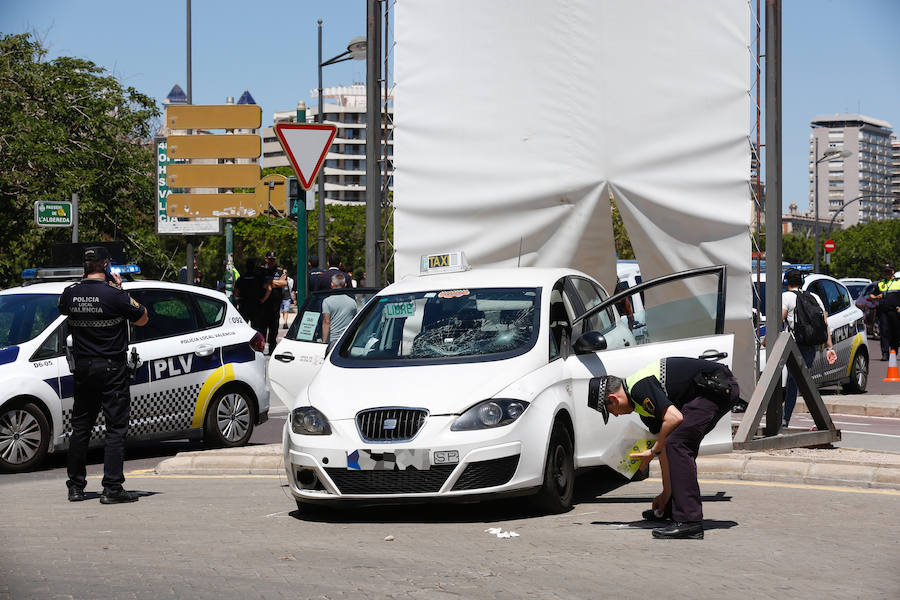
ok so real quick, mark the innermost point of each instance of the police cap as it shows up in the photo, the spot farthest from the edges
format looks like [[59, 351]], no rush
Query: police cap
[[95, 253], [597, 392], [887, 267]]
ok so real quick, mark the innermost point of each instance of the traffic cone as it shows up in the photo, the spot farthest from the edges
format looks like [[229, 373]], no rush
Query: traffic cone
[[893, 374]]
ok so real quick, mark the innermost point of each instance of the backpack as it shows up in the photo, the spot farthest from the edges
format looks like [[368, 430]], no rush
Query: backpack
[[809, 321]]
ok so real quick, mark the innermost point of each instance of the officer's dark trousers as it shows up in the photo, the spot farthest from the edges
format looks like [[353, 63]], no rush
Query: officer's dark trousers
[[99, 383], [267, 323], [700, 417], [889, 328]]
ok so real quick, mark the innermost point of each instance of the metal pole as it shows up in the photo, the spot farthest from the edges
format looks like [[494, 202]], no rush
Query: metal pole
[[189, 255], [229, 258], [320, 247], [816, 202], [189, 95], [373, 135], [773, 197], [74, 218], [302, 272]]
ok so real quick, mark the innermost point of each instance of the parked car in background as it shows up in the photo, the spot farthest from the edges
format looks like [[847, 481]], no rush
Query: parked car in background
[[846, 320], [202, 373], [299, 354], [868, 307], [855, 285]]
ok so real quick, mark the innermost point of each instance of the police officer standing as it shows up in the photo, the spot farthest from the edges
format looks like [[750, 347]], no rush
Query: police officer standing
[[99, 312], [680, 400], [886, 311]]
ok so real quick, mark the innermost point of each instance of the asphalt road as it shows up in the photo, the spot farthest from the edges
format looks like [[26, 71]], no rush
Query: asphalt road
[[241, 537]]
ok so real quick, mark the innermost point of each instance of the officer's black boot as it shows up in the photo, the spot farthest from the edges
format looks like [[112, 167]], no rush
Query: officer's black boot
[[119, 496], [680, 531]]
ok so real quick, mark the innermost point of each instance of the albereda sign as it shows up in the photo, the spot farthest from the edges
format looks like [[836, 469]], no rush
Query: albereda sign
[[53, 214]]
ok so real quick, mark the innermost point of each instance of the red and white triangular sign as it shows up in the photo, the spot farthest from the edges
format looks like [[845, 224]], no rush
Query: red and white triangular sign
[[306, 145]]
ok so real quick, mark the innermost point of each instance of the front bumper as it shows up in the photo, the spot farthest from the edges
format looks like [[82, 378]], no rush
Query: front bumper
[[489, 462]]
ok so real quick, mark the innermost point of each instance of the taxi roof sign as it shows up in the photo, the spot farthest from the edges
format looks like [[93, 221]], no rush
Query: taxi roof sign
[[443, 262]]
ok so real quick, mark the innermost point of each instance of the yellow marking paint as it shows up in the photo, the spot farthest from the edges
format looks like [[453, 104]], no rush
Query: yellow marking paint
[[856, 343], [215, 380]]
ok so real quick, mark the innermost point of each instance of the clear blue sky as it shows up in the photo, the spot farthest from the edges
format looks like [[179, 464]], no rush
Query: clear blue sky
[[839, 55]]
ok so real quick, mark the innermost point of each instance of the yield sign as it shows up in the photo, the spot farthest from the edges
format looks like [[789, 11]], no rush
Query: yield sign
[[306, 146]]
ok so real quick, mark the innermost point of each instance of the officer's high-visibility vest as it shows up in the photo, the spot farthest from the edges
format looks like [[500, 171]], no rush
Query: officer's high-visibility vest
[[886, 286], [655, 369]]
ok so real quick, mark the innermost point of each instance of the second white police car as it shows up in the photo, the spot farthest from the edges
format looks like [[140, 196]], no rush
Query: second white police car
[[459, 384], [202, 373]]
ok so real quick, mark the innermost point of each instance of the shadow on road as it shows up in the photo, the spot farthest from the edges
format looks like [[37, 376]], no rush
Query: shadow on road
[[708, 524]]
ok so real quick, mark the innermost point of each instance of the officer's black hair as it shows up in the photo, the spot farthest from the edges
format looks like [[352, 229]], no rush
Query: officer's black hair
[[94, 266]]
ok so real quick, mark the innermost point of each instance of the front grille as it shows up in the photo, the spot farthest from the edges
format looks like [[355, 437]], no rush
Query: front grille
[[408, 481], [487, 473], [390, 424]]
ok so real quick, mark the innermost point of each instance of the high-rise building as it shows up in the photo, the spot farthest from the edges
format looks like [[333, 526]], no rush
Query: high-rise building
[[864, 175], [345, 163], [895, 168]]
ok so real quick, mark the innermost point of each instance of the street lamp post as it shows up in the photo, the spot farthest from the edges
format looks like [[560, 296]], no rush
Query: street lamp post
[[356, 50], [849, 202], [827, 155]]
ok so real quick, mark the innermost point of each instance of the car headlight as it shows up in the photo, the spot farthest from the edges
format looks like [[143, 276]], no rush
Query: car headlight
[[496, 412], [307, 420]]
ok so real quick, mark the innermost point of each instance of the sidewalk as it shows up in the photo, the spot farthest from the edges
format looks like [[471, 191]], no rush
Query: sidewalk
[[820, 466]]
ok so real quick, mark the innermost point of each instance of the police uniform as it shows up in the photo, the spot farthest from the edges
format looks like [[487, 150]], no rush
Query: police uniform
[[99, 313], [267, 316], [677, 382], [886, 312]]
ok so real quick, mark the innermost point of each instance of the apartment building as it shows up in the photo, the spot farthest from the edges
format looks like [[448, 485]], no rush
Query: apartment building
[[862, 179], [345, 163]]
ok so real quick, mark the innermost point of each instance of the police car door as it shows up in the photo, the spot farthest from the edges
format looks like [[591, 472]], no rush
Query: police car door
[[178, 358], [685, 316]]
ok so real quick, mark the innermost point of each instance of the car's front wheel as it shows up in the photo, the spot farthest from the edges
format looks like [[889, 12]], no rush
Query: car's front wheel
[[859, 375], [555, 495], [230, 418], [24, 437]]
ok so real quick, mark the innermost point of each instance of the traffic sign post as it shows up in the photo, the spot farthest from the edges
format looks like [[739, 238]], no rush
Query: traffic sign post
[[53, 214], [306, 146]]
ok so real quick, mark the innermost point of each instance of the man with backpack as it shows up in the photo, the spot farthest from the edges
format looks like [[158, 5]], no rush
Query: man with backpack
[[807, 320]]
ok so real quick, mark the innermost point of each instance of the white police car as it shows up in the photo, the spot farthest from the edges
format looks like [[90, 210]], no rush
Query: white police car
[[202, 372], [456, 385]]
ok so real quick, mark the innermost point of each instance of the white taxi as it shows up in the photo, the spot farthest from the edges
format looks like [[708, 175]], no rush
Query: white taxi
[[202, 372], [452, 386]]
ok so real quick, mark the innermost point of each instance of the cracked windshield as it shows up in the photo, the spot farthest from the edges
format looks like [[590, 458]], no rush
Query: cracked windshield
[[447, 323]]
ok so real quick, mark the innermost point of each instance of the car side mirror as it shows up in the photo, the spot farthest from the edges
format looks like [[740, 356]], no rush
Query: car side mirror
[[589, 342]]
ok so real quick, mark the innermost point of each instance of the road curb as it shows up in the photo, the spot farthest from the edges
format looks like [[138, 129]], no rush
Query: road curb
[[872, 406], [864, 468]]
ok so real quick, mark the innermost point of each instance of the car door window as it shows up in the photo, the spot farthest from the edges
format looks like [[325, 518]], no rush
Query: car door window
[[55, 344], [169, 313], [307, 325], [591, 296], [559, 319], [844, 297], [212, 311], [679, 306]]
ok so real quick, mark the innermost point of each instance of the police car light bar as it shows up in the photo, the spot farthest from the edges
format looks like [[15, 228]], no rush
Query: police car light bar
[[444, 262], [63, 273]]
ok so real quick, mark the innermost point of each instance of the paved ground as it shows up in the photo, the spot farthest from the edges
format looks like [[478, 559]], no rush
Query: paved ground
[[218, 537]]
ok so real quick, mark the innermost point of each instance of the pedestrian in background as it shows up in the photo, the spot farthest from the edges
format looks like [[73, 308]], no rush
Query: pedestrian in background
[[288, 297], [794, 281], [312, 273], [885, 295], [273, 282], [247, 292], [680, 400], [337, 310], [98, 312]]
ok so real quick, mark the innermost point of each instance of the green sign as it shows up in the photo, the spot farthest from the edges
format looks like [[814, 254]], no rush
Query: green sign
[[53, 214]]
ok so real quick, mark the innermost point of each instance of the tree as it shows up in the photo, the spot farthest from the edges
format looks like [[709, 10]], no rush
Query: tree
[[68, 127], [797, 249], [623, 244], [862, 249]]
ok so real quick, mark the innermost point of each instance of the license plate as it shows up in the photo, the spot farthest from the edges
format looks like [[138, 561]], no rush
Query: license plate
[[398, 460]]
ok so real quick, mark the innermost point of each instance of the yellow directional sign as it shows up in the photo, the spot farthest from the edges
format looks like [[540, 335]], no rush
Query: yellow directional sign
[[213, 146], [271, 191], [219, 176], [225, 116]]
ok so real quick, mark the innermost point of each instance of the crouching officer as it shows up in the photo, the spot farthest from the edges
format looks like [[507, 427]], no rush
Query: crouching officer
[[99, 311], [680, 400]]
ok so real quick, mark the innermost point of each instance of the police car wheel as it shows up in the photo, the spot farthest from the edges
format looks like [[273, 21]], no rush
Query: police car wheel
[[555, 495], [859, 375], [24, 437], [230, 419]]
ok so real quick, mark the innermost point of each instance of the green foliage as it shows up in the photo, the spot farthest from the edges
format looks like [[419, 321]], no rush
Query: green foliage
[[624, 250], [67, 127], [862, 249], [797, 249]]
